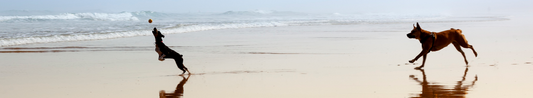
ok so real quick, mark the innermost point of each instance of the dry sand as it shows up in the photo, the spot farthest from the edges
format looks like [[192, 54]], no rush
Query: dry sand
[[330, 61]]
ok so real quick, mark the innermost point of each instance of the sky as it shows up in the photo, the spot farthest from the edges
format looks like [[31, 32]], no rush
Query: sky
[[308, 6]]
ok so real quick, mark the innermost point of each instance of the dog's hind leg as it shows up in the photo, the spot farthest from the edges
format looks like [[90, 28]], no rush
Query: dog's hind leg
[[464, 43], [185, 68], [458, 47], [179, 63], [472, 47]]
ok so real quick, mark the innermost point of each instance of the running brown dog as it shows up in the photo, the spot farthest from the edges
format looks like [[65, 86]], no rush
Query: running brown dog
[[432, 41]]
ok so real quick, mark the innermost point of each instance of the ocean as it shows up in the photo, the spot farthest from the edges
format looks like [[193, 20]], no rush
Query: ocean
[[19, 27]]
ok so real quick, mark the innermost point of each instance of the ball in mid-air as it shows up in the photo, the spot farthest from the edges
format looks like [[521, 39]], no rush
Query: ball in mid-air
[[149, 20]]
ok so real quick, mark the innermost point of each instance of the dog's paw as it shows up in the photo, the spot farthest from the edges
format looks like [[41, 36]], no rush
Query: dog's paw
[[162, 57], [418, 68]]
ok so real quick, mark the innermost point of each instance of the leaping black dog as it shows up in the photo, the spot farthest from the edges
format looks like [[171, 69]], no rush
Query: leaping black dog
[[165, 52]]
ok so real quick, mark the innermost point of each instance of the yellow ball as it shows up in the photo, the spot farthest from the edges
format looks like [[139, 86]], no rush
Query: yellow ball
[[149, 20]]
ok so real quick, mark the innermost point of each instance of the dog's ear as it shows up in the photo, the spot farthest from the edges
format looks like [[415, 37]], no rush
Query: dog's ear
[[418, 26]]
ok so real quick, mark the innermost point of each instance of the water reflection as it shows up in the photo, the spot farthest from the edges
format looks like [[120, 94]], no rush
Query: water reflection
[[435, 90], [178, 92]]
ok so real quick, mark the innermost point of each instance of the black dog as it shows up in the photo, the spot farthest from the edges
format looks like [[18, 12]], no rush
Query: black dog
[[165, 52]]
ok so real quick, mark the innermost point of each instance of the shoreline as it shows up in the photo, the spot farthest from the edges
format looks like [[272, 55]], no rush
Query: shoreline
[[189, 28]]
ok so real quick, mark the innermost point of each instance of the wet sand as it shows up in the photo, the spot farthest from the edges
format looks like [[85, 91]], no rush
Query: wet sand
[[335, 61]]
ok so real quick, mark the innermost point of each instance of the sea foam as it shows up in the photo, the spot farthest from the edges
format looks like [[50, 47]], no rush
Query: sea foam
[[72, 16], [30, 29], [110, 35]]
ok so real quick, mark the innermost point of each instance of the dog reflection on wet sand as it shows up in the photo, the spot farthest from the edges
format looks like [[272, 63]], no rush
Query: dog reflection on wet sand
[[178, 92], [433, 90]]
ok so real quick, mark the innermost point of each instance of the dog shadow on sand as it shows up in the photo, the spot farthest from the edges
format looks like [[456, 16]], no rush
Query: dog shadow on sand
[[435, 90], [178, 93]]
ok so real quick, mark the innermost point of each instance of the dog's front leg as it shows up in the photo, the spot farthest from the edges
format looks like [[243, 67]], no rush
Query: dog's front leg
[[423, 62], [162, 57], [423, 52]]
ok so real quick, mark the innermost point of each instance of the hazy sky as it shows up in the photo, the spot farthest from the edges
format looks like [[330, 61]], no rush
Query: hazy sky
[[310, 6]]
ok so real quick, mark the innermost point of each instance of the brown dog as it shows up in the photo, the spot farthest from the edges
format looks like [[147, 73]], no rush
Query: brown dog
[[432, 41]]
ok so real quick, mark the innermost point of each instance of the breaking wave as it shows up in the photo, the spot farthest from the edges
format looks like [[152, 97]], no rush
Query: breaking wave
[[74, 16], [38, 28], [110, 35]]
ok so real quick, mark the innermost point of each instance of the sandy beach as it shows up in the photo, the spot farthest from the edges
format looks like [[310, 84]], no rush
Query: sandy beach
[[319, 61]]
